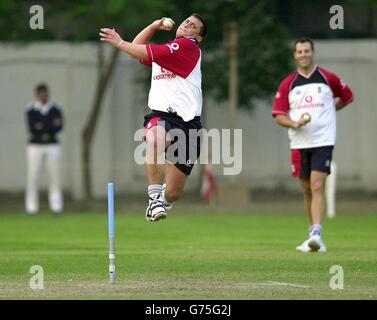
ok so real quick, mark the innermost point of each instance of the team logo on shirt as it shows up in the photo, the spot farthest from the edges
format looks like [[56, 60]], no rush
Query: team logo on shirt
[[171, 110], [165, 74], [173, 46], [309, 103]]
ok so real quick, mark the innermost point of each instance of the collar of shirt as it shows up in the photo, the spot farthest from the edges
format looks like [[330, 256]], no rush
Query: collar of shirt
[[308, 75], [42, 108], [188, 37]]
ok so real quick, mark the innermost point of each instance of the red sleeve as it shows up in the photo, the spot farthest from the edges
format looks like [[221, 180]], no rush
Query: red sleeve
[[338, 87], [281, 102], [147, 62], [179, 56]]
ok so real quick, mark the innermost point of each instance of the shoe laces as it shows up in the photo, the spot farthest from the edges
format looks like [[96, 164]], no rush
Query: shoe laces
[[155, 198], [156, 201]]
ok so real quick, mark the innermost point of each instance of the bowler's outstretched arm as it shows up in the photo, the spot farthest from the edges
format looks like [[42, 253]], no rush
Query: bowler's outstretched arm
[[137, 51]]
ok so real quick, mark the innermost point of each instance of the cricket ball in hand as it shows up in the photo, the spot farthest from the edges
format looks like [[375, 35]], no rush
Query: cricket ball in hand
[[168, 23], [306, 117]]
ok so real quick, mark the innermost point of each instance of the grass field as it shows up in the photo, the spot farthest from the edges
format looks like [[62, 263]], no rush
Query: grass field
[[187, 256]]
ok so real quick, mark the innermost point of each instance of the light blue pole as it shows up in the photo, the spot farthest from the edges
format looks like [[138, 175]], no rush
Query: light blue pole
[[110, 213], [110, 210]]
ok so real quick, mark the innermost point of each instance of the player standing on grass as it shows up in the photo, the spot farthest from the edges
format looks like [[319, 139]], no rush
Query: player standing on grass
[[44, 120], [175, 99], [314, 90]]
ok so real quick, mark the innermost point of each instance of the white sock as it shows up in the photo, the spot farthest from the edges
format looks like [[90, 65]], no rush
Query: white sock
[[316, 229], [154, 189]]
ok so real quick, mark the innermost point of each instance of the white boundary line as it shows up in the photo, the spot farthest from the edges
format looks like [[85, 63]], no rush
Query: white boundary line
[[287, 284]]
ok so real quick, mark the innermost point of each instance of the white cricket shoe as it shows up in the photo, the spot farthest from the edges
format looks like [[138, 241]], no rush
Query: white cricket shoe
[[304, 246], [316, 244], [168, 206], [156, 209]]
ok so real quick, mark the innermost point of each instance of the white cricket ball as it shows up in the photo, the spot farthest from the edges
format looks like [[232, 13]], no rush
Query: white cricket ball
[[306, 117], [168, 23]]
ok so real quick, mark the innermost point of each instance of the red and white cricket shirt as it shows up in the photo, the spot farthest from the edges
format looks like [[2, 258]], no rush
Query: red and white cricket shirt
[[314, 94], [176, 77]]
